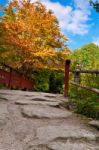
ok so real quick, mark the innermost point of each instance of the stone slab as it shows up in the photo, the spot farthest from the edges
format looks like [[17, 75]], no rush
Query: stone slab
[[37, 111], [72, 146], [51, 133], [14, 95], [3, 113], [26, 93], [42, 98], [28, 102], [64, 146], [3, 99], [95, 123]]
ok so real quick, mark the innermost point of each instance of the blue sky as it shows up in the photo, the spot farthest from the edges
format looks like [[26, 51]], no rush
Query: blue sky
[[77, 20]]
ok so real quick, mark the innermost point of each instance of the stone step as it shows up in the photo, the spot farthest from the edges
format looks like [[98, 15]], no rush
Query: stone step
[[28, 102], [64, 138], [38, 111], [94, 123], [64, 146]]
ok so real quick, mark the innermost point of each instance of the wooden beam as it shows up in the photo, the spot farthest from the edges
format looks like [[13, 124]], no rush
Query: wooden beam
[[66, 80], [86, 87], [86, 71]]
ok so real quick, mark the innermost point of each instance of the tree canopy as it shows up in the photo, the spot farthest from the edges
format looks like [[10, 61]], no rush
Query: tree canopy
[[95, 4], [30, 35], [86, 57]]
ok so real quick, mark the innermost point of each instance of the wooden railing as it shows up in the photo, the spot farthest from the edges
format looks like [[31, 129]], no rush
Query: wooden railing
[[77, 78]]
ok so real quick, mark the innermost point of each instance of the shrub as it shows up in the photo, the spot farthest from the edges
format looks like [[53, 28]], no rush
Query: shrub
[[56, 82], [86, 102]]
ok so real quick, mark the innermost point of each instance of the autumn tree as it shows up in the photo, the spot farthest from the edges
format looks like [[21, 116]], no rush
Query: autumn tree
[[30, 35]]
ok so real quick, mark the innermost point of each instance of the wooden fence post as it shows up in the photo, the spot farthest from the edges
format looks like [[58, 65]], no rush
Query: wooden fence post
[[66, 81], [77, 77]]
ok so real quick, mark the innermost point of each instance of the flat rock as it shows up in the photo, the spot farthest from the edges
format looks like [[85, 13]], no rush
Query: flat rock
[[41, 98], [8, 97], [38, 111], [95, 123], [26, 93], [39, 147], [28, 102], [14, 95], [3, 113], [72, 146], [2, 98], [64, 146], [51, 133]]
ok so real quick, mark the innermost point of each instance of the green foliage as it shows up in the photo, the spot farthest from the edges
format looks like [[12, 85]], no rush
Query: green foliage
[[2, 86], [52, 80], [59, 83], [41, 80], [56, 82], [86, 102], [48, 81], [86, 57], [88, 108]]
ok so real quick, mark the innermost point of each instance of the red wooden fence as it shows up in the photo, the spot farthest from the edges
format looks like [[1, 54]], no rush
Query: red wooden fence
[[13, 79]]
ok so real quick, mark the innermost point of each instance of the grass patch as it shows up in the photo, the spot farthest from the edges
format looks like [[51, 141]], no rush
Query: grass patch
[[86, 102]]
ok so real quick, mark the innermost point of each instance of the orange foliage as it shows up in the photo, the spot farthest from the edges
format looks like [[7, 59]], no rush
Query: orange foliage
[[35, 33]]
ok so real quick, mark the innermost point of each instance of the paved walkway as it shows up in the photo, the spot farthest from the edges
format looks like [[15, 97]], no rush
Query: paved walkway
[[37, 121]]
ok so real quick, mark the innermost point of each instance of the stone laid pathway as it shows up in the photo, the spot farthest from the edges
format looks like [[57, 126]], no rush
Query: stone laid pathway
[[38, 121]]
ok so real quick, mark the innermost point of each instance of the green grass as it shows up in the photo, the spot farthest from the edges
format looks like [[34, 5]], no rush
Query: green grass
[[86, 102]]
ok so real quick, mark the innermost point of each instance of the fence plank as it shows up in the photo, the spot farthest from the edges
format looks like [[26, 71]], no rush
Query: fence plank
[[85, 87], [85, 71], [13, 79]]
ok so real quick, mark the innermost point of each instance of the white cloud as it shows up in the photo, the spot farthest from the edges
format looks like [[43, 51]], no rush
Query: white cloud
[[71, 19], [96, 41]]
